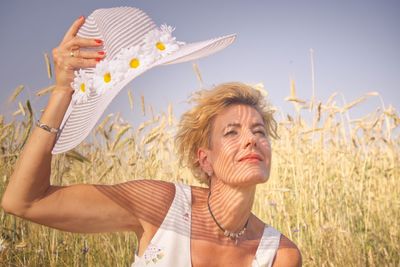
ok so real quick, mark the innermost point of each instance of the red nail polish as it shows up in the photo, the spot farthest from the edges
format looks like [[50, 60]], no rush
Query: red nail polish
[[101, 53], [81, 17], [98, 41], [98, 59]]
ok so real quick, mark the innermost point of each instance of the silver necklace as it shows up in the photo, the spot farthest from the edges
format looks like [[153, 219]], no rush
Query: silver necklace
[[232, 235]]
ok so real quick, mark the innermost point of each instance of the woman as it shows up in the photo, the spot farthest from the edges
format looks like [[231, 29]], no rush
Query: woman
[[224, 140]]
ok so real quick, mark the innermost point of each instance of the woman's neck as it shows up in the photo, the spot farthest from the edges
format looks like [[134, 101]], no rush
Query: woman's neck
[[231, 205]]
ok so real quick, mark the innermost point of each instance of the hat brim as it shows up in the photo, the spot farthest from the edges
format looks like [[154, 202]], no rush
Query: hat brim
[[80, 119]]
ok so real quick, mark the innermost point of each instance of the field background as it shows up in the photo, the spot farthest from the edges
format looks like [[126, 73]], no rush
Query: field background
[[333, 188]]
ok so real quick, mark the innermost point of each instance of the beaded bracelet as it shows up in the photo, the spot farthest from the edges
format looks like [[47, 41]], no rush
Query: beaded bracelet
[[46, 127]]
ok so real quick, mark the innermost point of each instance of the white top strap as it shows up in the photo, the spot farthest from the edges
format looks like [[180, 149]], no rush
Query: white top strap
[[170, 245], [267, 248]]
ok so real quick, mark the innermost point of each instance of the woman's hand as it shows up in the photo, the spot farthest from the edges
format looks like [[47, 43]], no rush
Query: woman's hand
[[68, 57]]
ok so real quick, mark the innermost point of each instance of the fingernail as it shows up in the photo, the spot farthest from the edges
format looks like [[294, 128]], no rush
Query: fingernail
[[101, 53], [81, 17], [98, 59], [98, 41]]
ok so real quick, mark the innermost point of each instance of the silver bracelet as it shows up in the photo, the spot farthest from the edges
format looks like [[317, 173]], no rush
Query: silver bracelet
[[46, 127]]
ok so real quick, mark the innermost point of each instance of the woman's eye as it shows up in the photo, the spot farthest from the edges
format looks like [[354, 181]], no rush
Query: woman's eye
[[261, 133], [230, 133]]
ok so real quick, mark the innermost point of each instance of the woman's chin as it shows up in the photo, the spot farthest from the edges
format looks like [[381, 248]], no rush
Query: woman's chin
[[260, 179], [257, 177], [249, 180]]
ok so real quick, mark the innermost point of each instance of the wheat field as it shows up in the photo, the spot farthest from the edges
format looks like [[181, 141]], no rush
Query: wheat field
[[333, 187]]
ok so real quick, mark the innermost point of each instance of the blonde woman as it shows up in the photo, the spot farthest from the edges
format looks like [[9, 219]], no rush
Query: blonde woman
[[224, 139]]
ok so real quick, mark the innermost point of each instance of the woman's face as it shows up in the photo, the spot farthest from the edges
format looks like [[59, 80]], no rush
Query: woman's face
[[240, 151]]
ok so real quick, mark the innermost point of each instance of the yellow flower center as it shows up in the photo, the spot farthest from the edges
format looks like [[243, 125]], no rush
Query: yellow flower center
[[83, 87], [160, 46], [134, 63], [107, 77]]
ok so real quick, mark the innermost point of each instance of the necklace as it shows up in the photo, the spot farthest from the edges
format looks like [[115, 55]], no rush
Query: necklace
[[232, 235]]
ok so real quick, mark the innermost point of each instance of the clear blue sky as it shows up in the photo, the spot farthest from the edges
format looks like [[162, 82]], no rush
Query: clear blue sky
[[356, 48]]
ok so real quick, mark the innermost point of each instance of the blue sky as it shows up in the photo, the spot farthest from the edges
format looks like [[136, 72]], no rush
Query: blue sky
[[356, 49]]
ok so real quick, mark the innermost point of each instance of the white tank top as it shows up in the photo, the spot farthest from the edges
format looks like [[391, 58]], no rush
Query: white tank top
[[170, 245]]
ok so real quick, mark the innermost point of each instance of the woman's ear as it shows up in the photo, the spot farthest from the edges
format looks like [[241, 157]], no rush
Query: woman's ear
[[203, 154]]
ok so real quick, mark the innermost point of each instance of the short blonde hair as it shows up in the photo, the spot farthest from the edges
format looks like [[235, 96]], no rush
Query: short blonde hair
[[194, 130]]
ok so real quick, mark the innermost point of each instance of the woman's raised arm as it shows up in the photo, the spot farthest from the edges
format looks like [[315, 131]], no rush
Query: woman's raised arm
[[31, 177], [77, 208]]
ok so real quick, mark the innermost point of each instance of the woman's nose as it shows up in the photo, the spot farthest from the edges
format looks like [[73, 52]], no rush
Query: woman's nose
[[250, 139]]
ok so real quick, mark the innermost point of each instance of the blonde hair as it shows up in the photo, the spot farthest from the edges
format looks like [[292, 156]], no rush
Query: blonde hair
[[194, 130]]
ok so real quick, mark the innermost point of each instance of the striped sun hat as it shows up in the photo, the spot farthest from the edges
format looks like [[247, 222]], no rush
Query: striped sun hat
[[133, 44]]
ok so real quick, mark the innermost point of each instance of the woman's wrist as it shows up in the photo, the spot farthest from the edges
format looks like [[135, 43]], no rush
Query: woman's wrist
[[56, 107], [58, 89]]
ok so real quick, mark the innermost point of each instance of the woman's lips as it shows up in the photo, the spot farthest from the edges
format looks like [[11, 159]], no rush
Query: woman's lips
[[251, 157], [255, 160]]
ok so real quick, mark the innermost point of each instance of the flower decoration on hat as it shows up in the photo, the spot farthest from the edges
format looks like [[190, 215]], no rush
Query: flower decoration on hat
[[106, 75], [132, 60], [82, 85], [159, 42]]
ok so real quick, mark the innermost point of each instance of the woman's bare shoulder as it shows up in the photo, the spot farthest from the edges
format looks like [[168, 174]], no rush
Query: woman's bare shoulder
[[288, 254], [149, 199], [164, 186], [151, 191], [199, 194]]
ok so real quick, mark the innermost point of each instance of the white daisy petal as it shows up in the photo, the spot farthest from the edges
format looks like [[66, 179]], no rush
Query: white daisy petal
[[160, 42], [106, 74], [82, 85], [133, 60]]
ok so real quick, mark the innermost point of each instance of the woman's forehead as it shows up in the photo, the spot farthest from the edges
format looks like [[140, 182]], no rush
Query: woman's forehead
[[237, 115]]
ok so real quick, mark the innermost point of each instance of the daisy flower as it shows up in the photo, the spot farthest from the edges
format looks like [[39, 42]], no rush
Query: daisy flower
[[132, 60], [81, 85], [106, 75], [159, 42]]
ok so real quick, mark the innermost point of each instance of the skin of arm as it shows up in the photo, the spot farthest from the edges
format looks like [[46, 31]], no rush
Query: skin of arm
[[31, 177]]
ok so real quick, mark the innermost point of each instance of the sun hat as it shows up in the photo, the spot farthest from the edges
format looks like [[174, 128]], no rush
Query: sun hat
[[133, 44]]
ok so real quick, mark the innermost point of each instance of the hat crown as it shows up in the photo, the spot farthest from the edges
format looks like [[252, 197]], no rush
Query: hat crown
[[119, 27]]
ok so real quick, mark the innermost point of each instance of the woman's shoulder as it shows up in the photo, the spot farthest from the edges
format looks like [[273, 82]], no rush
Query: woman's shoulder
[[164, 187], [148, 193], [288, 253], [160, 191], [150, 200], [199, 194]]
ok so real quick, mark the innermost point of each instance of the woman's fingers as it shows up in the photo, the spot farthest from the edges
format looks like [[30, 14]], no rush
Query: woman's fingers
[[73, 30], [79, 60], [77, 63], [87, 54], [71, 54], [78, 42]]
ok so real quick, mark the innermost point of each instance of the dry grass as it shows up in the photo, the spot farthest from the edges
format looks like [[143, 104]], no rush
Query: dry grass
[[333, 187]]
